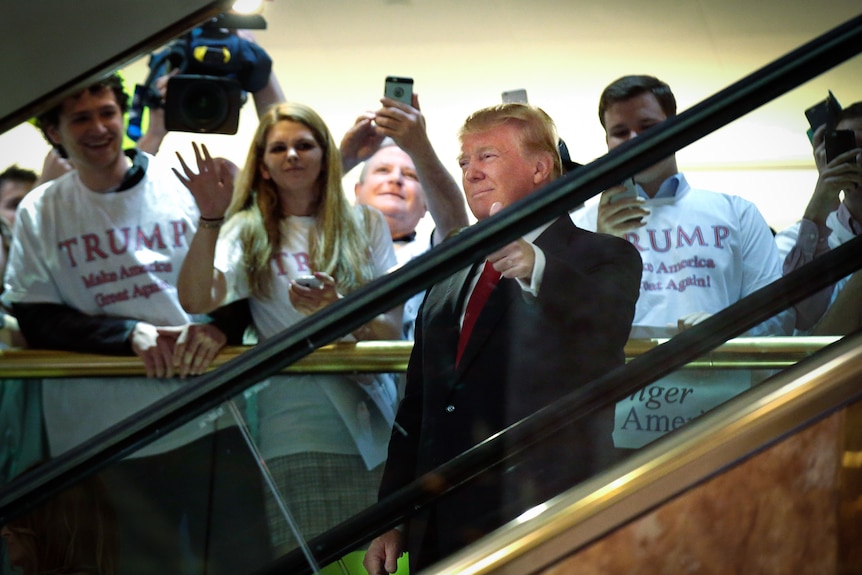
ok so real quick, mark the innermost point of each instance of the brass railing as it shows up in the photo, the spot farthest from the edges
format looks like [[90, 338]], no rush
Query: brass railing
[[392, 357]]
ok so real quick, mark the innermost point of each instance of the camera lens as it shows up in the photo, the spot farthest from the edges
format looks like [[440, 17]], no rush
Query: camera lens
[[197, 103], [204, 105]]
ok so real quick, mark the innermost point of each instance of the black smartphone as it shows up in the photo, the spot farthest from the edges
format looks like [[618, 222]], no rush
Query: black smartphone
[[399, 88], [838, 142], [823, 113]]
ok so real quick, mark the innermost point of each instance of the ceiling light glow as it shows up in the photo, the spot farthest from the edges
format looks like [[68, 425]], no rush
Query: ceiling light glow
[[247, 6]]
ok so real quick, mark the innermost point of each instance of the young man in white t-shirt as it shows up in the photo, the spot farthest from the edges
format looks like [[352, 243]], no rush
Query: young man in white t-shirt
[[93, 268]]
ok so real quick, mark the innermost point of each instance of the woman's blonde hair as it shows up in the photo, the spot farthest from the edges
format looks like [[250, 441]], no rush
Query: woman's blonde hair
[[340, 243], [76, 531]]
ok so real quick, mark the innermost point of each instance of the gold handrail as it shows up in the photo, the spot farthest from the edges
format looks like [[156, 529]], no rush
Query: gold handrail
[[392, 357], [369, 357]]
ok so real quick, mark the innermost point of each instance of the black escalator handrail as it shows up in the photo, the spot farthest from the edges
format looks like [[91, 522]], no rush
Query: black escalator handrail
[[346, 315], [607, 390]]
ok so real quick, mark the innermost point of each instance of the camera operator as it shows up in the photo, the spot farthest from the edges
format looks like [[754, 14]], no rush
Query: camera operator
[[174, 66]]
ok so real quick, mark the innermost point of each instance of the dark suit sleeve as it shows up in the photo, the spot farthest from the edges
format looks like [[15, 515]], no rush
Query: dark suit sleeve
[[586, 305], [232, 319], [610, 279], [57, 326], [589, 290]]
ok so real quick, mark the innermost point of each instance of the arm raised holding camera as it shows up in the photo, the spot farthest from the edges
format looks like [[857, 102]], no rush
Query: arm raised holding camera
[[841, 173], [406, 126], [826, 210], [271, 93]]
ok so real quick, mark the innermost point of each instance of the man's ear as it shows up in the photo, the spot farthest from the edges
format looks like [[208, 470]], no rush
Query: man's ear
[[424, 200], [53, 134], [543, 168]]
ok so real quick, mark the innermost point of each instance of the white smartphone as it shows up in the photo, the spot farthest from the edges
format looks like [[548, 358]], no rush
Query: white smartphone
[[511, 96], [399, 88], [309, 282], [631, 191]]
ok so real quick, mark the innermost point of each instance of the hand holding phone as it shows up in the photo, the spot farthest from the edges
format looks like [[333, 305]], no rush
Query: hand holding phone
[[630, 191], [839, 141], [399, 88], [309, 281], [619, 220]]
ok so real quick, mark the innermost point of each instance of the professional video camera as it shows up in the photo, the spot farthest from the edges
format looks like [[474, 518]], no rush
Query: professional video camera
[[216, 70]]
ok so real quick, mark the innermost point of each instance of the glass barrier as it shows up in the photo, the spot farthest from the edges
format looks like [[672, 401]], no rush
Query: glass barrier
[[236, 488]]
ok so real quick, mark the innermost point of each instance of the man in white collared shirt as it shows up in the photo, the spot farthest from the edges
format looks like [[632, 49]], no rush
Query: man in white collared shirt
[[702, 251]]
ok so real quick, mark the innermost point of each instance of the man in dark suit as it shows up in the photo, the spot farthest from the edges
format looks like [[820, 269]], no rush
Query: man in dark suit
[[559, 317]]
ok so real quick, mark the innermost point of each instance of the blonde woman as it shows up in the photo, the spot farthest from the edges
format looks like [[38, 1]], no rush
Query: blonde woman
[[324, 436]]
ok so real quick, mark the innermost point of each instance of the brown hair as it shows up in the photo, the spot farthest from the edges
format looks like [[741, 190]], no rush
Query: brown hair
[[14, 173], [851, 112], [628, 87], [51, 117]]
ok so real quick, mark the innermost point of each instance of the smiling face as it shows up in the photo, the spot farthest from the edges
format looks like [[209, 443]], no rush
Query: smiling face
[[494, 168], [292, 160], [90, 129], [627, 119], [390, 184]]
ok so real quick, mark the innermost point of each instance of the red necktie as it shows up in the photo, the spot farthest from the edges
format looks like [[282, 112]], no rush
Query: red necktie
[[483, 289]]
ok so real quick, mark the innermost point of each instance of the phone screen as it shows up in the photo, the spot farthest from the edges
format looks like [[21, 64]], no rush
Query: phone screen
[[399, 88]]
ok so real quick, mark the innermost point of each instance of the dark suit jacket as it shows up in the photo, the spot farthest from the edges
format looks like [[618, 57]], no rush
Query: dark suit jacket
[[523, 354]]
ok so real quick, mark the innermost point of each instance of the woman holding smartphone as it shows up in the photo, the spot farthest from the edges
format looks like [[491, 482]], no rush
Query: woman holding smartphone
[[324, 436]]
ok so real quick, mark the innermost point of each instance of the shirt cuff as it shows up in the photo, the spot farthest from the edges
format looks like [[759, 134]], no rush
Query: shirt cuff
[[538, 271], [812, 239]]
